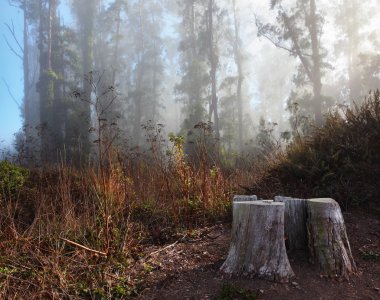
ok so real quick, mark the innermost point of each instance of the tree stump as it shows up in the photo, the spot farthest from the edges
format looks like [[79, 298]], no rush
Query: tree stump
[[328, 243], [295, 222], [257, 246], [244, 198]]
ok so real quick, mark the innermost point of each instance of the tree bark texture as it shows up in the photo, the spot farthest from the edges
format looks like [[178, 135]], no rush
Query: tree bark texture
[[295, 222], [257, 247], [328, 243]]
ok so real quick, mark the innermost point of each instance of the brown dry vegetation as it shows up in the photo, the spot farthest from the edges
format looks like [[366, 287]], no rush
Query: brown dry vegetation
[[72, 233]]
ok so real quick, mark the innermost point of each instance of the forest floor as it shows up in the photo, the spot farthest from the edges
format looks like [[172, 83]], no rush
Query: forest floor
[[188, 269]]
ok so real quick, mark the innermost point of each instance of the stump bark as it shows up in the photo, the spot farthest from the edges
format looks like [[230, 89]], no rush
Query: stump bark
[[328, 243], [295, 222], [257, 246]]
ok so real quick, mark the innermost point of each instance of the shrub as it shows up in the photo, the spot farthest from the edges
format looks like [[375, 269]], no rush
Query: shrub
[[339, 160], [12, 178]]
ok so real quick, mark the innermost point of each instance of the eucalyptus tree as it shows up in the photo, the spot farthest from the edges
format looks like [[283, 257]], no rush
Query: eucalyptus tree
[[191, 91], [358, 42], [144, 65], [85, 12], [298, 31]]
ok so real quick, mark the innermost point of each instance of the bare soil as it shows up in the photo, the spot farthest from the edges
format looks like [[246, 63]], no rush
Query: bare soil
[[188, 269]]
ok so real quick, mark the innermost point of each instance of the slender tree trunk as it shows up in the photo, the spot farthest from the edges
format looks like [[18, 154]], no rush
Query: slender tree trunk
[[239, 67], [87, 33], [50, 22], [213, 64], [27, 106], [316, 70], [139, 93], [352, 35], [116, 51], [154, 88], [44, 84]]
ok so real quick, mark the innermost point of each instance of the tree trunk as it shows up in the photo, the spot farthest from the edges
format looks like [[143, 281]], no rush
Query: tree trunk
[[239, 66], [213, 67], [257, 247], [328, 243], [295, 222], [316, 70]]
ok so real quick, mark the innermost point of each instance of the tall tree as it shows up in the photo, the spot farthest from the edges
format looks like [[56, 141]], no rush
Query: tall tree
[[213, 61], [298, 31], [238, 56], [192, 89], [145, 47], [85, 13], [47, 76]]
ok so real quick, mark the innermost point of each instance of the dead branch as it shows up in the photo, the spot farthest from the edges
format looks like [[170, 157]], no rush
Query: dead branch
[[10, 94], [84, 247]]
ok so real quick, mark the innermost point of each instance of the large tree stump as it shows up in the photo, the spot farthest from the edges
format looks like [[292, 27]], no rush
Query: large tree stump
[[295, 222], [244, 198], [257, 247], [328, 243]]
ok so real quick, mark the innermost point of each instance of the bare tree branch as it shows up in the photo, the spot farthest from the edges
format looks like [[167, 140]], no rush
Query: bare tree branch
[[11, 94], [12, 49], [13, 33]]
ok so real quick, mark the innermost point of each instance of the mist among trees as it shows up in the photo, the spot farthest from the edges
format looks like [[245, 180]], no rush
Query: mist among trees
[[253, 75]]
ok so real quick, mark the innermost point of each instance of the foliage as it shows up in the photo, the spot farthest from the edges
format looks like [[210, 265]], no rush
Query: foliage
[[12, 178], [339, 160]]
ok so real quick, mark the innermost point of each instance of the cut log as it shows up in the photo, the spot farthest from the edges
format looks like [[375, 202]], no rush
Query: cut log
[[244, 198], [295, 222], [257, 246], [328, 243]]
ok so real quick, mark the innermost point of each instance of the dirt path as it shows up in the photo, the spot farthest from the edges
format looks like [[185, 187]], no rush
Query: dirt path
[[189, 268]]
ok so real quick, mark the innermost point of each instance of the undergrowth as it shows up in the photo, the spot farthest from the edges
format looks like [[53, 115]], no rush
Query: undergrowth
[[340, 160], [72, 233]]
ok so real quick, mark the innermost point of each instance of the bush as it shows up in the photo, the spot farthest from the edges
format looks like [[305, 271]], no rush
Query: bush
[[12, 178], [339, 160]]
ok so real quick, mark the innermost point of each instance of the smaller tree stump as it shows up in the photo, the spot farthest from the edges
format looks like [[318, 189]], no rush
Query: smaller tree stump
[[295, 222], [328, 243], [257, 246]]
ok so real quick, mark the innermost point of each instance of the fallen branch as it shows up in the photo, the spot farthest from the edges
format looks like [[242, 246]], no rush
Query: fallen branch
[[165, 248], [84, 247]]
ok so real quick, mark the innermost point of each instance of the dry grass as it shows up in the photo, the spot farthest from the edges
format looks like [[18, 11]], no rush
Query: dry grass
[[81, 234]]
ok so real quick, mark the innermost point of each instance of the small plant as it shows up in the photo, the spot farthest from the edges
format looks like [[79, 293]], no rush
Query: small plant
[[232, 292], [12, 178]]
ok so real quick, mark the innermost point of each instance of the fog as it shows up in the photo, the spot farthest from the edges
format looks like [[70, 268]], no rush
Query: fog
[[107, 71]]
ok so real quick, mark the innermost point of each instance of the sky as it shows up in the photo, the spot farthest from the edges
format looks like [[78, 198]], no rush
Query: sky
[[10, 71]]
